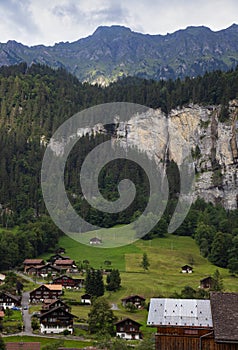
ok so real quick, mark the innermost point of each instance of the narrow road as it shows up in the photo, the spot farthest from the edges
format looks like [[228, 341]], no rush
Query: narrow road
[[25, 313]]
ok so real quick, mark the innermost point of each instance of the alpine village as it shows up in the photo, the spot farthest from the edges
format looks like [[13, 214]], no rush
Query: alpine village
[[166, 289]]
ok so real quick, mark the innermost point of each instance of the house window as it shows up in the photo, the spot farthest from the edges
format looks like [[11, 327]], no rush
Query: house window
[[121, 329]]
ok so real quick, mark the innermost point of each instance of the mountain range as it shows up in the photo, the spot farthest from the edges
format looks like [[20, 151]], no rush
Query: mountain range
[[116, 51]]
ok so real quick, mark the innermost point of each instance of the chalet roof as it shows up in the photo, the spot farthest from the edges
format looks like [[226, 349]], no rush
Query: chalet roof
[[185, 267], [209, 278], [22, 346], [180, 312], [95, 240], [14, 297], [127, 319], [132, 297], [54, 286], [33, 261], [225, 315], [63, 276], [64, 262], [57, 308], [86, 296]]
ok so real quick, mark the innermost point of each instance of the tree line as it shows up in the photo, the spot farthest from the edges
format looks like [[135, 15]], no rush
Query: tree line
[[35, 100]]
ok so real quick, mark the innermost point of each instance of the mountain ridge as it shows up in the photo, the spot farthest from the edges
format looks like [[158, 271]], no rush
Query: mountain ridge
[[117, 51]]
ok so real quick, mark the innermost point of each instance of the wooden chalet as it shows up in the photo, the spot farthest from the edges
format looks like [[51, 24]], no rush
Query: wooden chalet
[[46, 291], [128, 329], [22, 346], [207, 283], [66, 265], [191, 324], [32, 262], [86, 299], [43, 270], [49, 304], [8, 300], [186, 269], [69, 282], [57, 256], [95, 241], [136, 300], [60, 250], [56, 320]]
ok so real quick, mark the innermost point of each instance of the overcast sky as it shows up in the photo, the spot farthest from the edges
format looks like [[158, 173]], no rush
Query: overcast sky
[[50, 21]]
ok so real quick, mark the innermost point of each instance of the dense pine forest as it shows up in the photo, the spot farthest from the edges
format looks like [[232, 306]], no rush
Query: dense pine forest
[[35, 100]]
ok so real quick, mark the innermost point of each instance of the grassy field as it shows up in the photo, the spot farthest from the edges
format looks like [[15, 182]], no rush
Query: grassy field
[[47, 341], [166, 256], [164, 277]]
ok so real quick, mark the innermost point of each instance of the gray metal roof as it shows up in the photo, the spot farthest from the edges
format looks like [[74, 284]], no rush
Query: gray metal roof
[[179, 312]]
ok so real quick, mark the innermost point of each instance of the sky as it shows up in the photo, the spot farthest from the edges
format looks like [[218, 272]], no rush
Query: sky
[[47, 22]]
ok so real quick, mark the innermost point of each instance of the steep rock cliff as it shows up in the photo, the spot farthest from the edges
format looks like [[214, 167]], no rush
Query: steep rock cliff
[[213, 146]]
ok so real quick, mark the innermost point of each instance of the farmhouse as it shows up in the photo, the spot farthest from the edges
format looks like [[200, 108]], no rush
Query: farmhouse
[[49, 304], [32, 262], [56, 320], [187, 269], [46, 291], [66, 265], [195, 324], [8, 300], [95, 241], [86, 299], [69, 282], [136, 300], [207, 283], [128, 329], [57, 256], [42, 270]]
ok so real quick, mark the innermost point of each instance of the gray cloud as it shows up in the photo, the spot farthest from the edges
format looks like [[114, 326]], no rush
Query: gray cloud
[[17, 17], [47, 22]]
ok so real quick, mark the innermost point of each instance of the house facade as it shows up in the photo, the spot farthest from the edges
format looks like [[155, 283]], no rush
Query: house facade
[[8, 300], [49, 304], [190, 324], [136, 300], [66, 265], [128, 329], [207, 283], [56, 320], [45, 291], [32, 262], [186, 269], [43, 270], [95, 241], [69, 282], [86, 299]]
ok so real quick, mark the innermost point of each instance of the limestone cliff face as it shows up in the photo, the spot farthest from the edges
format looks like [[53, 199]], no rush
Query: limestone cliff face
[[213, 146]]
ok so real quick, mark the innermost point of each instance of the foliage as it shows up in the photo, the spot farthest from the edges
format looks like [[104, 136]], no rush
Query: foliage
[[113, 280], [94, 283], [101, 318], [2, 344], [145, 262], [35, 324], [218, 282]]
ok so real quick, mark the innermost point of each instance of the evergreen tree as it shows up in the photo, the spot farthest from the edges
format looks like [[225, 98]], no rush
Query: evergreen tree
[[94, 283], [218, 281], [101, 318], [113, 280], [145, 262]]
